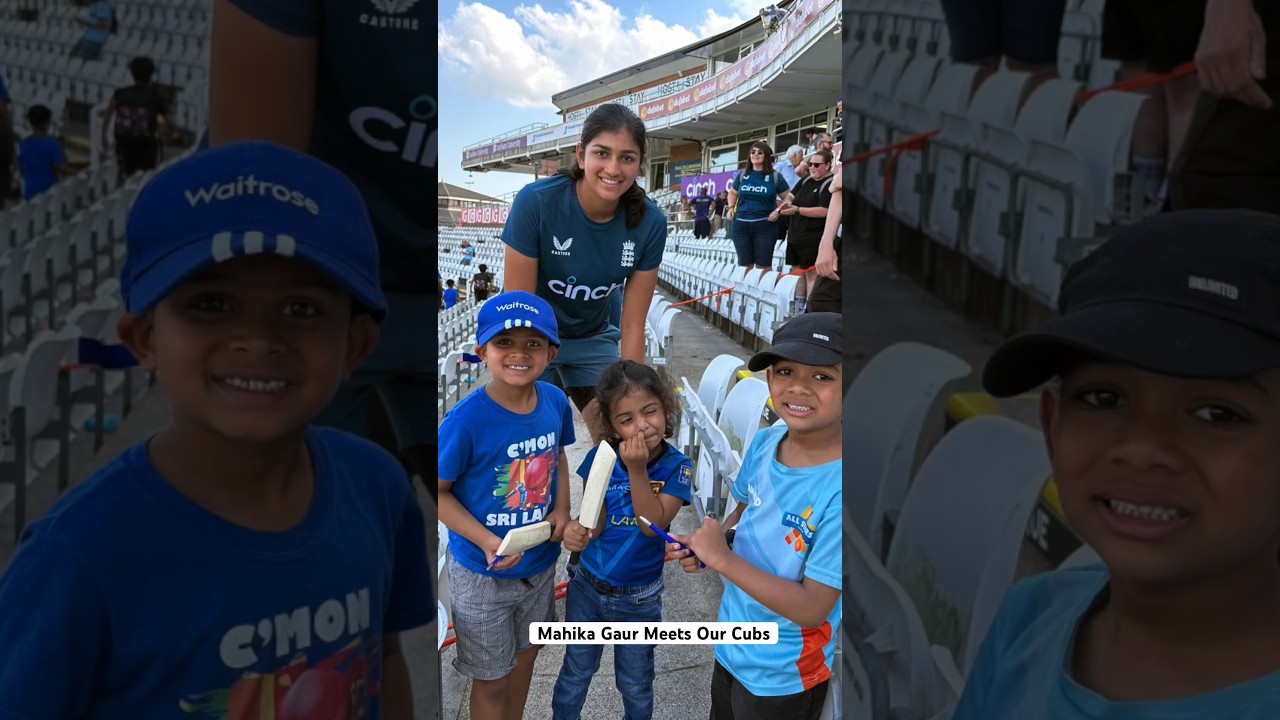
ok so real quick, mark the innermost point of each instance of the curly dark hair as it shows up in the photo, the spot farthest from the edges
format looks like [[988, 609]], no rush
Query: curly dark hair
[[625, 377]]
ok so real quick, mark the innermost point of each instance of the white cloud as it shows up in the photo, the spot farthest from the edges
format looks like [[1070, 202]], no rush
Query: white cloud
[[714, 23], [527, 58]]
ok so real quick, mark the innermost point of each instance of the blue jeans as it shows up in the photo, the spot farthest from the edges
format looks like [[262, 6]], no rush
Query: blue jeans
[[754, 242], [592, 600]]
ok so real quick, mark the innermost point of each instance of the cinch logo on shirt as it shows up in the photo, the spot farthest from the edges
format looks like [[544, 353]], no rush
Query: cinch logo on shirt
[[384, 130], [754, 188], [250, 186], [801, 534], [568, 289]]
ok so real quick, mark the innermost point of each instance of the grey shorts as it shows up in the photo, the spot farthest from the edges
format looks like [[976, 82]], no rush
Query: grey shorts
[[581, 361], [491, 618]]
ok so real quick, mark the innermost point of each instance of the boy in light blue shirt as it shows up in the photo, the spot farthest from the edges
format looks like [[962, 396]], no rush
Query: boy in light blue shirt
[[784, 565], [1162, 427]]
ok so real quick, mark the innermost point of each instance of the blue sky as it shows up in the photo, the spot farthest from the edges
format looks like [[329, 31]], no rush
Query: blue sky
[[501, 61]]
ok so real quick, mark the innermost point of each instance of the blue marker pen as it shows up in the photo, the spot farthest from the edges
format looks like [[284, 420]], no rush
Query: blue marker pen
[[663, 534]]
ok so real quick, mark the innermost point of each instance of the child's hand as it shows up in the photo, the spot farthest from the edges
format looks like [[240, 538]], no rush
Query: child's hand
[[559, 519], [576, 536], [680, 552], [634, 453], [708, 544], [491, 552]]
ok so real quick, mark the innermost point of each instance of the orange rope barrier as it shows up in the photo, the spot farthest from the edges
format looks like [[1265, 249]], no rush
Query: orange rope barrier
[[704, 297], [729, 290], [1142, 81]]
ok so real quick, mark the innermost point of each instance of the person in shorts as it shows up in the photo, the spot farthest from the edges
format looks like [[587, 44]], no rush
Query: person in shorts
[[502, 466], [1023, 33]]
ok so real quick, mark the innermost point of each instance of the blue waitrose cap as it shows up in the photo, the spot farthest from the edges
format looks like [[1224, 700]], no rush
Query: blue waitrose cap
[[248, 198], [513, 309]]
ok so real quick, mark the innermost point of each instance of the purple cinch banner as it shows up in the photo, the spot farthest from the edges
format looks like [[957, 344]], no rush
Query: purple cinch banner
[[715, 183]]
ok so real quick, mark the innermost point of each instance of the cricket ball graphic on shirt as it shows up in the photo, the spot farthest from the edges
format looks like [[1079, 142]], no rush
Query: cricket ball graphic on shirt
[[526, 483]]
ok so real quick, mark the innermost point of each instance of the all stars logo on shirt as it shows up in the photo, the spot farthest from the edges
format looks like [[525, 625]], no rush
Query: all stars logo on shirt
[[801, 535]]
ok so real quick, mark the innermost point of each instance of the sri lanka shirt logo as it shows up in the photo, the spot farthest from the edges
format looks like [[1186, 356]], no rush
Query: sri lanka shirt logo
[[801, 535], [686, 475]]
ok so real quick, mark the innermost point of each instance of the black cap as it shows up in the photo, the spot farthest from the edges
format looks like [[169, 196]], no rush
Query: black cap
[[809, 339], [1192, 294]]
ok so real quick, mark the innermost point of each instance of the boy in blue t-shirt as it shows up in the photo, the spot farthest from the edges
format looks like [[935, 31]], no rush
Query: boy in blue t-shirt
[[784, 564], [1162, 428], [450, 294], [501, 461], [40, 157], [239, 563]]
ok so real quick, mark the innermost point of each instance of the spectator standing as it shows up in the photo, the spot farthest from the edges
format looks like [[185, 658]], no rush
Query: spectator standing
[[1231, 157], [40, 155], [790, 168], [808, 213], [754, 197], [827, 292], [1155, 37], [139, 114], [482, 283], [702, 206], [283, 70], [1024, 34], [99, 22], [821, 141], [450, 294], [722, 202]]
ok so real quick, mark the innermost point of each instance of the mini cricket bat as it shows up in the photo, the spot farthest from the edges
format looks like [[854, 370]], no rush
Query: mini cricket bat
[[597, 483], [517, 540]]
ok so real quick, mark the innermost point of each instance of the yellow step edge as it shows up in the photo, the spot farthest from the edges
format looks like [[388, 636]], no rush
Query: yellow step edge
[[1050, 496], [744, 374], [964, 406]]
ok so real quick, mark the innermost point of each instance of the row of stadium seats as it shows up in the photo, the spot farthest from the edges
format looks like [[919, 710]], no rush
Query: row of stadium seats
[[919, 27], [1019, 190], [59, 257], [57, 248], [758, 301]]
